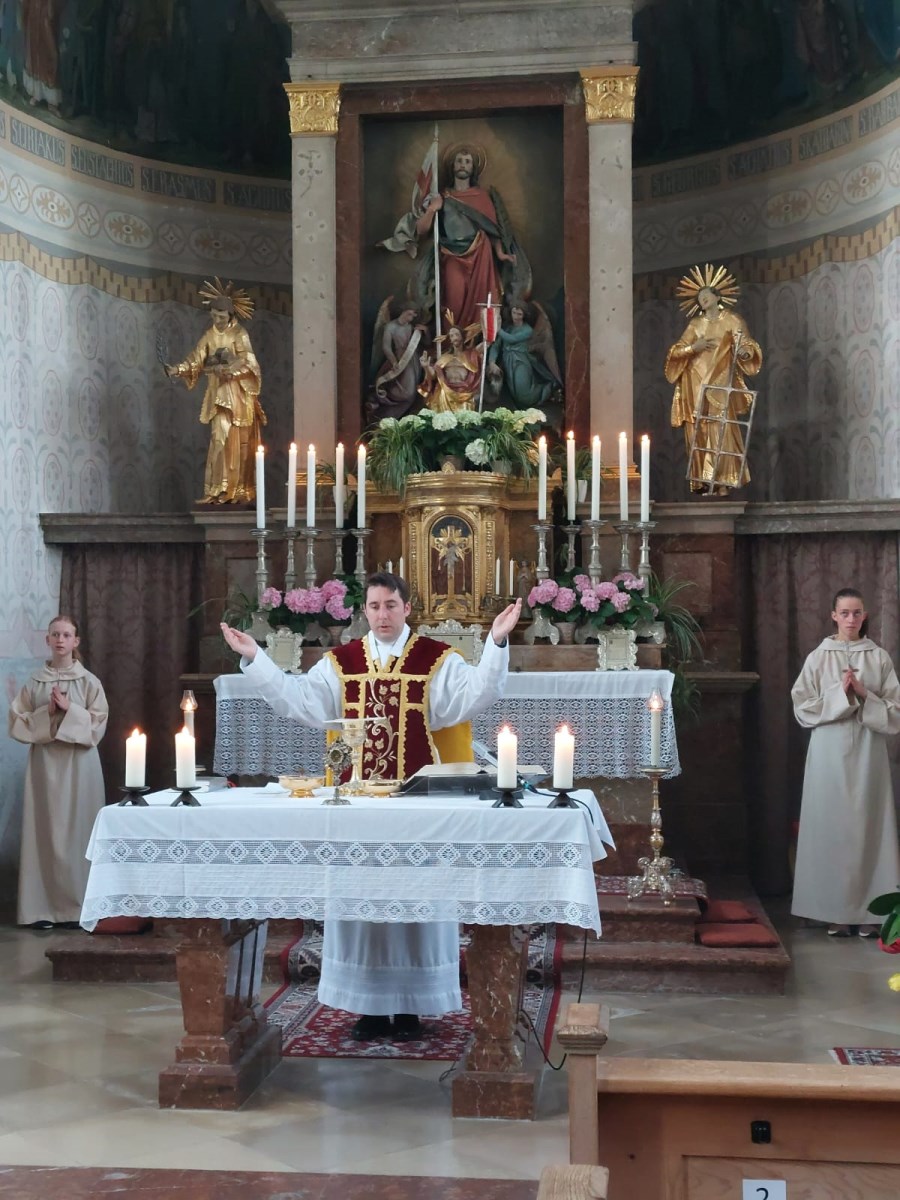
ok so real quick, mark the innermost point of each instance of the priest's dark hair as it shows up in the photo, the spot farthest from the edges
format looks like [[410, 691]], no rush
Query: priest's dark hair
[[387, 579], [850, 593]]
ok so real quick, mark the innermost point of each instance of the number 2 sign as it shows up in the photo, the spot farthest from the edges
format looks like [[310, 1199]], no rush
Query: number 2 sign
[[764, 1189]]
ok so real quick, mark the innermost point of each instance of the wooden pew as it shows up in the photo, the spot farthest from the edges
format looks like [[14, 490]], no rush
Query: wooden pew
[[673, 1129]]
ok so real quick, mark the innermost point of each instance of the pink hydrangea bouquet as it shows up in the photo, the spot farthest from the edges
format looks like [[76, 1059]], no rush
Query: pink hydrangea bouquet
[[557, 602], [621, 600], [331, 604]]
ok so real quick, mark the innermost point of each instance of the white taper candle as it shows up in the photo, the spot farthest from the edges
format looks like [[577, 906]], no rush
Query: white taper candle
[[292, 487], [595, 479], [623, 477]]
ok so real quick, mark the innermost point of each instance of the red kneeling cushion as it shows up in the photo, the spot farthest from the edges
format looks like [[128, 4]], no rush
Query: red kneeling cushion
[[724, 912], [736, 934], [123, 925]]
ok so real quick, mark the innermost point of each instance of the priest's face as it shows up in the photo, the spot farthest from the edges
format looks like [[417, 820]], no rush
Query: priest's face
[[386, 613]]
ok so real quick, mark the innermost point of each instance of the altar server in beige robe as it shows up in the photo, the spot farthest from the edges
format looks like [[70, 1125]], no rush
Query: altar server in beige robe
[[61, 714], [847, 853]]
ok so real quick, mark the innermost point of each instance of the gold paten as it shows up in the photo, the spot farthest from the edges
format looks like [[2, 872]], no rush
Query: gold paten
[[609, 93], [314, 107]]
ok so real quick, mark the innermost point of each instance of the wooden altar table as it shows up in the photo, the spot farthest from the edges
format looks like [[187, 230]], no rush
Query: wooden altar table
[[245, 855]]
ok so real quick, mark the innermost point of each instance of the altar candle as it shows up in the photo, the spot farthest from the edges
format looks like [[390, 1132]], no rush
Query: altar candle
[[656, 704], [136, 760], [645, 478], [563, 758], [292, 487], [507, 747], [542, 478], [389, 567], [400, 568], [512, 577], [623, 477], [260, 489], [339, 486], [185, 762], [361, 488], [595, 479], [496, 576], [570, 481], [311, 487], [189, 707]]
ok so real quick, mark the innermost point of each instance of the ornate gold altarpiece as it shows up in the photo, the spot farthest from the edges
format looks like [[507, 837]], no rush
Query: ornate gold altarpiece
[[454, 526]]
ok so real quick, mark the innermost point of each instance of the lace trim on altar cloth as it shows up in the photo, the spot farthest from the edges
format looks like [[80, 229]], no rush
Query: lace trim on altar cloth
[[612, 736], [261, 908]]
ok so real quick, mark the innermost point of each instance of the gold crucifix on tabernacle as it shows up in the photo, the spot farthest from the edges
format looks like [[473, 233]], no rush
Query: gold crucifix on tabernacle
[[452, 546]]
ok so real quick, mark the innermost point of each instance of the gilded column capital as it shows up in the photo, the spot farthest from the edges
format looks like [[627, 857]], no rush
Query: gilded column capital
[[314, 107], [609, 93]]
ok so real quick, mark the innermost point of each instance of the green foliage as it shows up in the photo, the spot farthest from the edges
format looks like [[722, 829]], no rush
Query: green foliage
[[420, 441], [888, 907], [682, 628]]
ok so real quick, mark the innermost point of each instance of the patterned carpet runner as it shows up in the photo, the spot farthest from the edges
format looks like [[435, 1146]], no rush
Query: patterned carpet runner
[[867, 1056], [311, 1030]]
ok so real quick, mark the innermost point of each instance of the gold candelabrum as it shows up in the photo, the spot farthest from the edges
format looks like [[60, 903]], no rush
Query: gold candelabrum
[[656, 869]]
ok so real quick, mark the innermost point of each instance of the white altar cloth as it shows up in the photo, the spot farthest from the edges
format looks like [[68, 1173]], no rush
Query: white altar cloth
[[605, 710], [253, 854]]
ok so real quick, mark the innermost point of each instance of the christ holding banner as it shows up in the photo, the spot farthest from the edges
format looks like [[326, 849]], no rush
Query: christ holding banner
[[474, 244]]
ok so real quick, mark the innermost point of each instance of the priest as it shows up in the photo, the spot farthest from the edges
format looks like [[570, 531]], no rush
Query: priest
[[390, 973]]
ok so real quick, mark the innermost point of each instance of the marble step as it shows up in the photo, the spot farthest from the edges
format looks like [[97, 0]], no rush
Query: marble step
[[80, 957]]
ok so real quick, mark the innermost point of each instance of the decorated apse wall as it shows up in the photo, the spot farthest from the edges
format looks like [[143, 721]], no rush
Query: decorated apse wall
[[808, 222], [100, 258]]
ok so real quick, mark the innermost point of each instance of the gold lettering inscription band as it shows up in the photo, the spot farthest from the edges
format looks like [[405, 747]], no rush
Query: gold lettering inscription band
[[609, 93], [314, 107]]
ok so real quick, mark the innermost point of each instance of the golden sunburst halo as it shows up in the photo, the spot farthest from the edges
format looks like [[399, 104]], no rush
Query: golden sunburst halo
[[239, 299], [718, 279]]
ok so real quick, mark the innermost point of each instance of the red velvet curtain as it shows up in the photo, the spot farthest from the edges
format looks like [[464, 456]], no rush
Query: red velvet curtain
[[789, 581], [132, 604]]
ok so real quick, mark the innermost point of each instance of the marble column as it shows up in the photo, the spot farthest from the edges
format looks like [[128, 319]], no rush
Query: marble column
[[609, 111], [314, 108]]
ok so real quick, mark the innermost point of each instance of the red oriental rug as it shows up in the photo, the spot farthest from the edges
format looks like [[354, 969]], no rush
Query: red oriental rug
[[311, 1030], [867, 1056]]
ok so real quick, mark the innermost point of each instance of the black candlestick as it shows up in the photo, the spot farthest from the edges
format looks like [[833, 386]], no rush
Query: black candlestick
[[133, 795], [186, 797], [506, 798], [562, 799]]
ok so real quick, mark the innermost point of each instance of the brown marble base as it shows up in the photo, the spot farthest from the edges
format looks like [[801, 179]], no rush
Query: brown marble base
[[682, 969], [508, 1095], [79, 957], [228, 1047], [224, 1086], [493, 1082], [92, 1183]]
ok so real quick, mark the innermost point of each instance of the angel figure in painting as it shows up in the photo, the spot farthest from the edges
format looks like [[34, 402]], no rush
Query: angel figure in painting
[[715, 350], [231, 408], [453, 381], [396, 361], [477, 251], [523, 359]]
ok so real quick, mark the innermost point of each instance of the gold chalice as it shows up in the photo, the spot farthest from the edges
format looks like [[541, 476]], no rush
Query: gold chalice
[[347, 750]]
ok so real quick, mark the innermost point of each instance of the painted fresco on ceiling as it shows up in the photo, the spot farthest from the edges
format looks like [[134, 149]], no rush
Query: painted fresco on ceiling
[[197, 81], [716, 72], [200, 81]]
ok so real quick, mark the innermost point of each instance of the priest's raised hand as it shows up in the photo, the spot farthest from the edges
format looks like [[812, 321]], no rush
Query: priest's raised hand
[[505, 622], [242, 643]]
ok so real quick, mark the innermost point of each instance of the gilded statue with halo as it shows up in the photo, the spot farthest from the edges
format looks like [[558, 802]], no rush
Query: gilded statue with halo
[[231, 408], [708, 366]]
